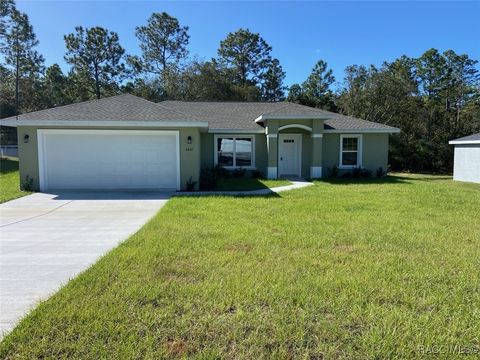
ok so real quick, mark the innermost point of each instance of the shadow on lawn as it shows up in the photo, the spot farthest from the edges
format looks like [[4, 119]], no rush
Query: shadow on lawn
[[390, 179], [263, 193], [111, 195], [240, 184], [8, 166], [423, 177], [235, 187]]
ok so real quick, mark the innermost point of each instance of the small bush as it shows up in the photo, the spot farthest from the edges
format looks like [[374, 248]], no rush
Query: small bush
[[208, 178], [221, 172], [360, 172], [239, 173], [257, 174], [380, 172], [27, 184], [333, 171], [191, 184]]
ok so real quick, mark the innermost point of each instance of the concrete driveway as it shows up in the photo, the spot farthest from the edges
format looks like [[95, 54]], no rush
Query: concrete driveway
[[47, 239]]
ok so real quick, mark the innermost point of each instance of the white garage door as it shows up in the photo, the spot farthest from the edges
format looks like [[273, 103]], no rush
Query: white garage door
[[108, 159]]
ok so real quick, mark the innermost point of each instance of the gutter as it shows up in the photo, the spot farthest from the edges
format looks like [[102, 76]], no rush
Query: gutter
[[464, 142], [363, 131], [265, 117], [108, 123]]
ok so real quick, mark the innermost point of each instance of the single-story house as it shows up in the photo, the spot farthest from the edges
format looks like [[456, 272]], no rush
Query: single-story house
[[126, 142], [466, 161]]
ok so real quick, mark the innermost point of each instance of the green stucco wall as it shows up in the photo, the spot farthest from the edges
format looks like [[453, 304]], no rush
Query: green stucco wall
[[311, 146], [189, 153], [374, 148], [316, 151], [208, 150]]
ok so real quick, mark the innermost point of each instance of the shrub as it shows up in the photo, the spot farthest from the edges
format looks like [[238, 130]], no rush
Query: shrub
[[221, 172], [191, 184], [333, 171], [239, 173], [27, 184], [360, 172], [380, 172], [257, 174], [208, 178]]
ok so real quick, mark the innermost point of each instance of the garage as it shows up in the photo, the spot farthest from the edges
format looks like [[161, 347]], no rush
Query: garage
[[108, 159]]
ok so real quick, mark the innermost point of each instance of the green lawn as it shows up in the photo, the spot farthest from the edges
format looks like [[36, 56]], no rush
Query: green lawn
[[365, 269], [9, 181], [238, 184]]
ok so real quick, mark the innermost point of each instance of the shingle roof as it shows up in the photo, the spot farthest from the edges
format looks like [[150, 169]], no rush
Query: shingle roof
[[124, 107], [343, 122], [218, 115], [241, 115], [224, 115], [474, 137]]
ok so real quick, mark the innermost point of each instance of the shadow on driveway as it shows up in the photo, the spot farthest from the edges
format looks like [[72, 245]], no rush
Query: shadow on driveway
[[110, 195]]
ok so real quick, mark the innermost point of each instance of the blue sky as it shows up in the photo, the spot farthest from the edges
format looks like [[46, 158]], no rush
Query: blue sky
[[342, 33]]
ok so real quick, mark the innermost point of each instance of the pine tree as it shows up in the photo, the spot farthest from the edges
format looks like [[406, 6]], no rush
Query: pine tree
[[18, 48], [272, 85], [97, 55], [163, 43]]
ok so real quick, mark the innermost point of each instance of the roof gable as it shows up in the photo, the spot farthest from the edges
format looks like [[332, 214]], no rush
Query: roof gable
[[470, 139]]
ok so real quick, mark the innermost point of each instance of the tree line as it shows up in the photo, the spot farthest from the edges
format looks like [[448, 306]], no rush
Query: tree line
[[433, 98]]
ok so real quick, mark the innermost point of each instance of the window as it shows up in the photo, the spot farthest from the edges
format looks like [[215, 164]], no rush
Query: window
[[350, 151], [234, 151]]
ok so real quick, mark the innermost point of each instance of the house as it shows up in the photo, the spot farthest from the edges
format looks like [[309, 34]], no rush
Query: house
[[126, 142], [466, 162]]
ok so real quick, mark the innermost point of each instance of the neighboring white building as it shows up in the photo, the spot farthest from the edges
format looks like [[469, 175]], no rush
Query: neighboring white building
[[467, 158]]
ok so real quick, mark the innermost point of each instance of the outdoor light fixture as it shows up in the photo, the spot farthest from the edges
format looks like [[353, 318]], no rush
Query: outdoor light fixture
[[189, 139], [26, 138]]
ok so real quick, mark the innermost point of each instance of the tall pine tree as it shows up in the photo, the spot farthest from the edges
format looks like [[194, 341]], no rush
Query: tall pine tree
[[97, 57], [18, 46]]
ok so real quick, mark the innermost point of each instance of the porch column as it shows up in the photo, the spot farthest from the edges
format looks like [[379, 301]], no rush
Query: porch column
[[317, 143], [272, 149]]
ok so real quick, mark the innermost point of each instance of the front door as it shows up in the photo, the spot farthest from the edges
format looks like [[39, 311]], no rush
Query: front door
[[289, 155]]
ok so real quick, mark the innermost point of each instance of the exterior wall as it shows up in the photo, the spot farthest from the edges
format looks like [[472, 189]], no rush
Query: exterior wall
[[374, 152], [208, 150], [312, 150], [319, 151], [189, 153], [331, 144], [466, 166]]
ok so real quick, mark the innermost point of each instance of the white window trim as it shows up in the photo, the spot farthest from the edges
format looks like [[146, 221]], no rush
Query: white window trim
[[234, 136], [359, 151]]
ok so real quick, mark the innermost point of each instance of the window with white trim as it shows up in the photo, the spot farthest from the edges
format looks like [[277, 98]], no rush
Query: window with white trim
[[350, 151], [234, 151]]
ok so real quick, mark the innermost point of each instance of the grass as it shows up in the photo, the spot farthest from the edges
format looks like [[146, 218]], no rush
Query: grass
[[239, 184], [365, 269], [9, 181]]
